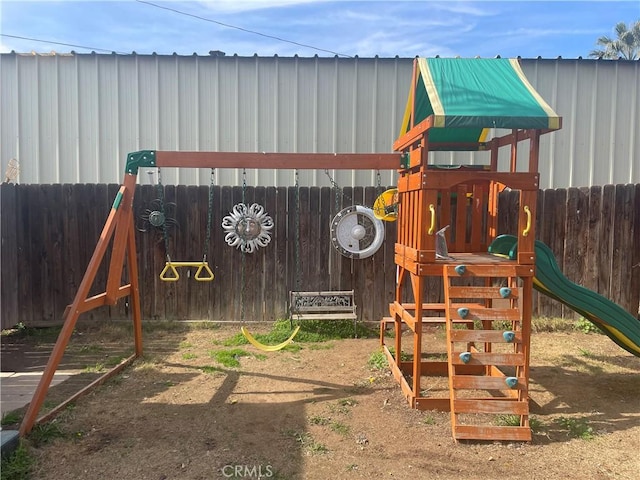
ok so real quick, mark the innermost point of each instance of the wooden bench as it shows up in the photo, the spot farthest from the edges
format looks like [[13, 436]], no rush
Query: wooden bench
[[330, 305]]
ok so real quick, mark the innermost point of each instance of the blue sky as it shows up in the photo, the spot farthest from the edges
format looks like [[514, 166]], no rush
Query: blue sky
[[364, 28]]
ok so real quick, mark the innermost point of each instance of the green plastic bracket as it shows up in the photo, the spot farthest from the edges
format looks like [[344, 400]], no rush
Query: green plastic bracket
[[117, 200], [143, 158], [404, 160]]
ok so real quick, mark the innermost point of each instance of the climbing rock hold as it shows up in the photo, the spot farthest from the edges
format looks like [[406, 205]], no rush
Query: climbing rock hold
[[505, 292], [508, 336], [460, 269], [465, 357], [511, 382], [463, 312]]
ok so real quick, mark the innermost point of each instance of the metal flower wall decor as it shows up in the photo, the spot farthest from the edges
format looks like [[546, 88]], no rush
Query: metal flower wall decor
[[247, 227]]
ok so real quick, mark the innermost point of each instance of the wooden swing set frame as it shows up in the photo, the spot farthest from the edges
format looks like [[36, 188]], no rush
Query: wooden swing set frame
[[427, 197], [118, 234]]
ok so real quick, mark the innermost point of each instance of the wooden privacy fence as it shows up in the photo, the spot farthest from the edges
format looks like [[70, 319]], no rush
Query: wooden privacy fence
[[48, 234]]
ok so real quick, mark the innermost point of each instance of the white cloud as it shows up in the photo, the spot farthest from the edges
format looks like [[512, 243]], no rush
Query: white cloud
[[238, 6], [384, 44]]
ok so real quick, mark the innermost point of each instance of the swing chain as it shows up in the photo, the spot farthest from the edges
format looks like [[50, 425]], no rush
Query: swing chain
[[379, 190], [209, 215], [165, 230], [336, 188], [242, 267], [298, 272], [244, 184], [243, 261]]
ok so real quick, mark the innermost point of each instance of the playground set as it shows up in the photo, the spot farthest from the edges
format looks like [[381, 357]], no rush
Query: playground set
[[447, 228]]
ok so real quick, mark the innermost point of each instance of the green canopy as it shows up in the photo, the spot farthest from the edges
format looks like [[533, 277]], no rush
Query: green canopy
[[469, 96]]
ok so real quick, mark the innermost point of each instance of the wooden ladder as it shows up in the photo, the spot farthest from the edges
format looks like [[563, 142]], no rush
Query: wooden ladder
[[493, 406]]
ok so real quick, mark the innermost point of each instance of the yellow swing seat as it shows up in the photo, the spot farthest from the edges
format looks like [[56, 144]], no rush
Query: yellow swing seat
[[268, 348]]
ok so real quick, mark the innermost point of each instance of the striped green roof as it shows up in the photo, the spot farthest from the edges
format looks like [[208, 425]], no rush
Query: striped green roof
[[469, 96]]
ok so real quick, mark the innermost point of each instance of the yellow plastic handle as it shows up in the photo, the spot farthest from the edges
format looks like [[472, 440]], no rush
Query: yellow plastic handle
[[169, 273], [527, 229], [432, 227], [204, 273]]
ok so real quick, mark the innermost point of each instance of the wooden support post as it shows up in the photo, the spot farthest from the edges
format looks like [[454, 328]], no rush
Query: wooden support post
[[417, 283], [119, 219], [534, 151], [526, 308], [526, 226], [513, 166], [136, 310], [398, 320], [125, 207]]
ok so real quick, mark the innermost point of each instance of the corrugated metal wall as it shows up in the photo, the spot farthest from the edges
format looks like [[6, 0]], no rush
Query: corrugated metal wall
[[73, 118]]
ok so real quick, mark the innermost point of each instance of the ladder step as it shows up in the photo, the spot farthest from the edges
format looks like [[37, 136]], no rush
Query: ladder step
[[483, 313], [479, 292], [476, 382], [471, 270], [491, 406], [477, 432], [482, 358], [493, 336]]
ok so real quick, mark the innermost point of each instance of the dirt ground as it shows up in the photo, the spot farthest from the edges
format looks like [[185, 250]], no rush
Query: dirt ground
[[322, 411]]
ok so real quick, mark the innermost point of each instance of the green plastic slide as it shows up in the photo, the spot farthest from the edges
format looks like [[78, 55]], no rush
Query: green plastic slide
[[614, 321]]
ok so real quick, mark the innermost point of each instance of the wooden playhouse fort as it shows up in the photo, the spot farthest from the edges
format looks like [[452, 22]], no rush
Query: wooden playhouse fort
[[448, 231], [447, 220]]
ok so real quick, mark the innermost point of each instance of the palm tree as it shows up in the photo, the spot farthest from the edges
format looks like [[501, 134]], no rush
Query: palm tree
[[626, 46]]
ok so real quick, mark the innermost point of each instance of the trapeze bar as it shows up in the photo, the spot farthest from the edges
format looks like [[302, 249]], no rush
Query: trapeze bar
[[170, 274], [346, 161]]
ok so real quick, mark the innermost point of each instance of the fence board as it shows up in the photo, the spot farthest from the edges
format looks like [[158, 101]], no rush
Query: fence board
[[293, 276], [315, 275], [324, 236], [36, 266], [53, 268], [635, 267], [215, 255], [375, 278], [590, 278], [59, 225], [268, 274], [576, 228], [146, 237], [9, 273], [622, 246], [557, 241], [606, 239], [346, 264], [280, 287], [225, 279], [253, 275], [302, 262], [198, 198], [236, 271]]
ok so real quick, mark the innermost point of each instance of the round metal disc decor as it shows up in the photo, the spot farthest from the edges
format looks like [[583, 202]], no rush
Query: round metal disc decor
[[247, 227], [356, 232]]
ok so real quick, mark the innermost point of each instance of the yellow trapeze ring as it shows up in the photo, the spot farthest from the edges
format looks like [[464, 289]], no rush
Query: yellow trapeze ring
[[268, 348]]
